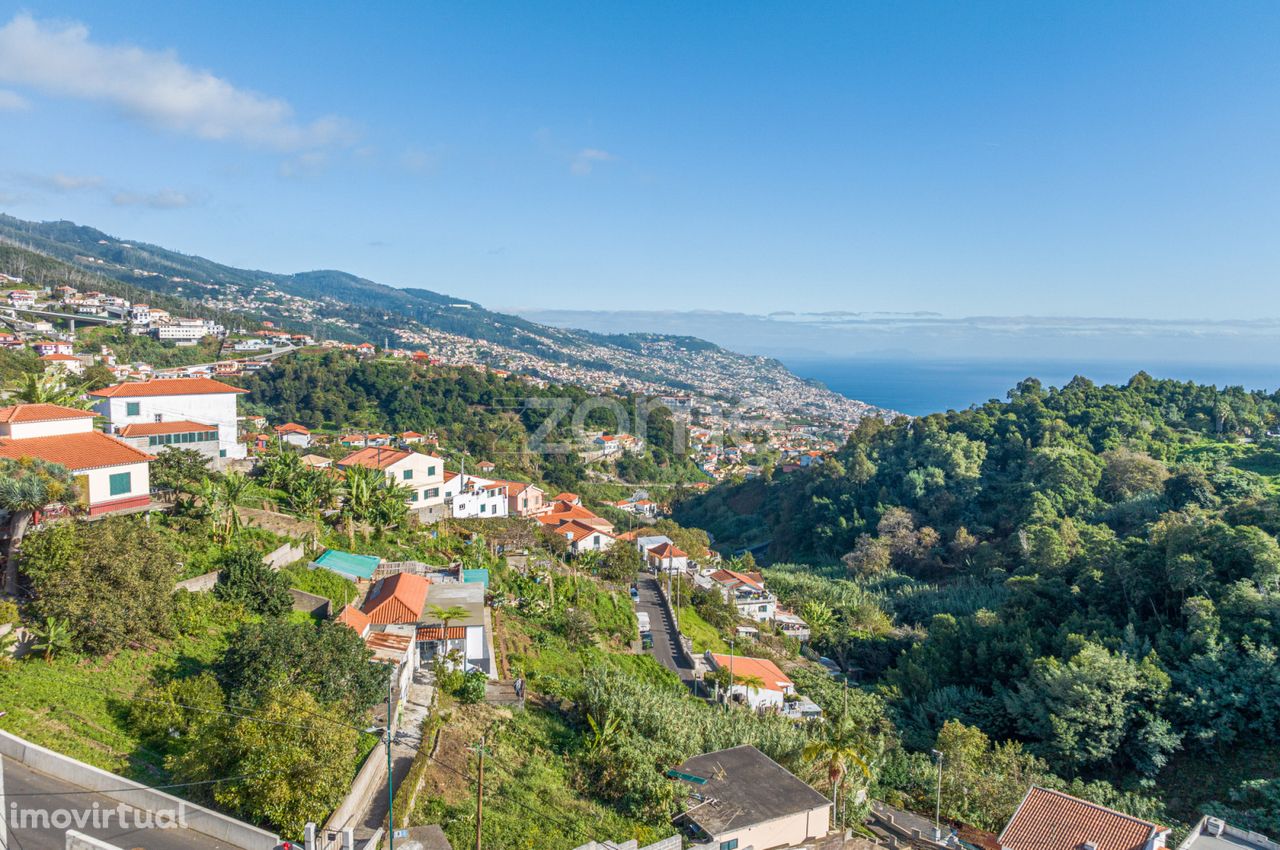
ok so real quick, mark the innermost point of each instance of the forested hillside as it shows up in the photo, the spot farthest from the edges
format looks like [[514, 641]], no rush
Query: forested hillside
[[1091, 570], [483, 415]]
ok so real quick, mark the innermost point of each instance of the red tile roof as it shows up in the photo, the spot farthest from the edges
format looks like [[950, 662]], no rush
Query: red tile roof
[[355, 618], [77, 452], [292, 428], [576, 530], [397, 599], [374, 457], [19, 413], [166, 386], [435, 632], [727, 576], [1051, 820], [668, 550], [146, 429], [768, 672], [61, 358]]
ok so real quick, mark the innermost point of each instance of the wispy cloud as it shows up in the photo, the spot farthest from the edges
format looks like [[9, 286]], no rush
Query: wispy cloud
[[306, 164], [165, 199], [70, 182], [586, 160], [155, 87], [12, 101]]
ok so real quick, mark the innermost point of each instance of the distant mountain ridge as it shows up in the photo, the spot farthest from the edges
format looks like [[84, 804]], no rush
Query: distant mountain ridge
[[339, 305]]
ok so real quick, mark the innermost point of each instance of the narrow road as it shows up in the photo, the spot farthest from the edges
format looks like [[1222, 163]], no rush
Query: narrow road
[[666, 637], [34, 801]]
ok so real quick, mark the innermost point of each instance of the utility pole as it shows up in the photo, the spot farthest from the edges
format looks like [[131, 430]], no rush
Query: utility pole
[[391, 794], [479, 791], [937, 810]]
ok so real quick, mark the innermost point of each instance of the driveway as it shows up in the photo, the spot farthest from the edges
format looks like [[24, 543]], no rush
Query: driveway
[[666, 637]]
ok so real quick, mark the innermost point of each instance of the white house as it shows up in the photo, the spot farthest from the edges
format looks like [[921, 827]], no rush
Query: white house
[[180, 434], [740, 798], [67, 363], [421, 474], [110, 474], [747, 593], [771, 689], [667, 558], [201, 400], [294, 434], [585, 538], [470, 497]]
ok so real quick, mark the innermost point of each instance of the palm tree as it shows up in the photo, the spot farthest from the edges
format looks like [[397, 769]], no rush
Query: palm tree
[[839, 746], [232, 491], [603, 733], [750, 681], [819, 617], [50, 389], [282, 470], [448, 615], [53, 638], [359, 493], [26, 486]]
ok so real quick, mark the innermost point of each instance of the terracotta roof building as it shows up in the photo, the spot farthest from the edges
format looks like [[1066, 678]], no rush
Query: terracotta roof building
[[1052, 820], [400, 598]]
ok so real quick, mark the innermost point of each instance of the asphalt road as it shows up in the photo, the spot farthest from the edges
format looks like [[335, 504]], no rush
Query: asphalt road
[[666, 637], [29, 790]]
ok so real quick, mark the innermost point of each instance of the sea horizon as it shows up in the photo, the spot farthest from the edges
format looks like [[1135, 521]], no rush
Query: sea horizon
[[920, 386]]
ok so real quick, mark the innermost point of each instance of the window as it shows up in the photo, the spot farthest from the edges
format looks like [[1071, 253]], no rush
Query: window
[[413, 497], [731, 844], [408, 473], [222, 452], [431, 470], [132, 408], [431, 492], [120, 483], [483, 508]]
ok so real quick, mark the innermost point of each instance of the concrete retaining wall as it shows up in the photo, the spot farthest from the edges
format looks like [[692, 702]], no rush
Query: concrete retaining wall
[[285, 555], [199, 584], [276, 559], [80, 841], [316, 606], [198, 819]]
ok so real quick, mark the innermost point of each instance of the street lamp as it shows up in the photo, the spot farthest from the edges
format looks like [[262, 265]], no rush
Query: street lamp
[[937, 810]]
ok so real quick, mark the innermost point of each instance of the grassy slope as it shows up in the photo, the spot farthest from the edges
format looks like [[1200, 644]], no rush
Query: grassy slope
[[79, 706], [703, 634]]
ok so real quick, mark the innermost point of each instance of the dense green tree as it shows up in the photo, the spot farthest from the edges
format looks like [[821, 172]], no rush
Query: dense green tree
[[110, 581], [245, 579], [289, 760], [26, 486], [327, 659]]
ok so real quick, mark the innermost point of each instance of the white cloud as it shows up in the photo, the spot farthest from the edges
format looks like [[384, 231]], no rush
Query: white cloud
[[71, 182], [165, 199], [156, 87], [587, 158], [11, 100]]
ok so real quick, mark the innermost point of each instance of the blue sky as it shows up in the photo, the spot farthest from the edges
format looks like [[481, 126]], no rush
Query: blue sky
[[977, 158]]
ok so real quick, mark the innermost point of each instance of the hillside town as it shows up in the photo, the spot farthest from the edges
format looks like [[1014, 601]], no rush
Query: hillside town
[[438, 624]]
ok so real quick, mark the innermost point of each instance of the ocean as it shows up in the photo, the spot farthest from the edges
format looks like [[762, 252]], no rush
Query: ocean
[[920, 387]]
